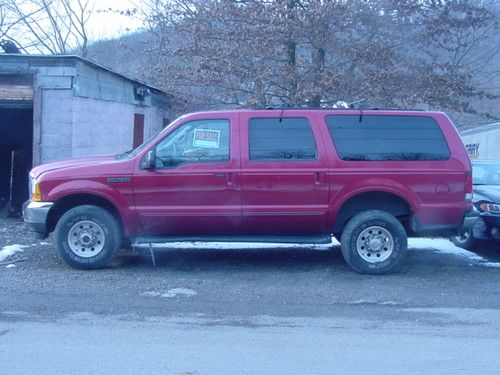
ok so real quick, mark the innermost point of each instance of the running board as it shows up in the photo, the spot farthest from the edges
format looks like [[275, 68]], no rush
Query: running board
[[232, 243], [289, 240]]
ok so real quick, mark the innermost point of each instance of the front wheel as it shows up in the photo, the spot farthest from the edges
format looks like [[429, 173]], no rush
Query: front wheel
[[374, 242], [465, 240], [87, 237]]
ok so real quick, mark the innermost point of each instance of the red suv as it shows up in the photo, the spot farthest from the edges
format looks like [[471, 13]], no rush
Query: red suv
[[368, 177]]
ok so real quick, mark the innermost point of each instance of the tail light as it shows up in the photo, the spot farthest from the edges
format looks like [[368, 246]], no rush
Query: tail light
[[468, 186]]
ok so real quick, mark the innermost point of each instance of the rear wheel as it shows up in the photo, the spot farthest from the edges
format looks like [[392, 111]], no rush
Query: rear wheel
[[374, 242], [87, 237]]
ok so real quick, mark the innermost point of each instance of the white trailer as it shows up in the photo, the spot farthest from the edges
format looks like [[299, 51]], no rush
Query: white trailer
[[483, 142]]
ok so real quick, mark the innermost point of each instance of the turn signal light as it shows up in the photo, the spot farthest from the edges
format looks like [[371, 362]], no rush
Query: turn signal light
[[37, 194]]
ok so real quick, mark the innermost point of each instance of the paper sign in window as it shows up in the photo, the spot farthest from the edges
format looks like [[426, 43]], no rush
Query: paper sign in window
[[206, 138]]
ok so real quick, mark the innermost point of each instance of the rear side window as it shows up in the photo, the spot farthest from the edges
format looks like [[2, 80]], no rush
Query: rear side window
[[281, 139], [387, 137]]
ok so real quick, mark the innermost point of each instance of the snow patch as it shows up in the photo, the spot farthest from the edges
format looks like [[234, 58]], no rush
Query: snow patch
[[150, 294], [239, 245], [9, 250], [374, 302], [171, 293], [491, 264], [10, 266], [445, 246]]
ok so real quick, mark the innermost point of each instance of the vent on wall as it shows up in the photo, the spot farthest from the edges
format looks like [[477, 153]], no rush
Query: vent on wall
[[141, 92]]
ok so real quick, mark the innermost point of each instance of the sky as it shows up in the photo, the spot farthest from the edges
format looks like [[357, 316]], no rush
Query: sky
[[107, 24], [106, 21]]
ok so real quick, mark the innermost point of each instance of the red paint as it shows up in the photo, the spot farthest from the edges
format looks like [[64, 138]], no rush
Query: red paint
[[241, 196]]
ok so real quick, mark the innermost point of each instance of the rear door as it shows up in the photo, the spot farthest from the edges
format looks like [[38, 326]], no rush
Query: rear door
[[284, 166]]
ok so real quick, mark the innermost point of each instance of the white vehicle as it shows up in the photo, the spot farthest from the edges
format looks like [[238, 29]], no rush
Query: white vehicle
[[483, 142]]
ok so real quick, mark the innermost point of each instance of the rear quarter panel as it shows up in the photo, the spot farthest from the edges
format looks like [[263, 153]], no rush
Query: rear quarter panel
[[434, 190]]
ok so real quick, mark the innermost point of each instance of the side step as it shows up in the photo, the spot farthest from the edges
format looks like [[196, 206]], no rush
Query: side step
[[320, 243], [291, 240]]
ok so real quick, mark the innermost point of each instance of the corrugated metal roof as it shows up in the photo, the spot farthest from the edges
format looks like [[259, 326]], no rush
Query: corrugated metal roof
[[12, 58]]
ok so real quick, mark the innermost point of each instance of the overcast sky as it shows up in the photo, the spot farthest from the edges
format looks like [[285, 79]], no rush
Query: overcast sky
[[106, 24], [105, 21]]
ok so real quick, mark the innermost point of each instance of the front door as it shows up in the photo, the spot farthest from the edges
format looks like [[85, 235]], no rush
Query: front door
[[194, 188]]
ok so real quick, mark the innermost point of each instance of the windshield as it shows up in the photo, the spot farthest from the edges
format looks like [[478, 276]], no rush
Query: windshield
[[138, 149], [486, 174]]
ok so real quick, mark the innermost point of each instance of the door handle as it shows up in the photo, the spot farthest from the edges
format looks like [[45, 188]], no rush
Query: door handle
[[231, 179], [317, 178]]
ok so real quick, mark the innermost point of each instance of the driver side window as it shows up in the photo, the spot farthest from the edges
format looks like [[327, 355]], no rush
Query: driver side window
[[198, 141]]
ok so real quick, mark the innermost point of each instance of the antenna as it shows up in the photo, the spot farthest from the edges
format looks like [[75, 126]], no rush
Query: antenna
[[357, 103]]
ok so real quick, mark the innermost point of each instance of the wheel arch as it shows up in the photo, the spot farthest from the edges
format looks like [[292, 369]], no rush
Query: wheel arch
[[63, 204], [373, 200]]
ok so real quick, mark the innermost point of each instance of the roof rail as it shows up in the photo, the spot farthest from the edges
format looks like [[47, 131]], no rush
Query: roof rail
[[271, 108]]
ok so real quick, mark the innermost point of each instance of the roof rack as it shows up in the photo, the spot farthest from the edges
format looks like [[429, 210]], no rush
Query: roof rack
[[339, 105], [270, 108]]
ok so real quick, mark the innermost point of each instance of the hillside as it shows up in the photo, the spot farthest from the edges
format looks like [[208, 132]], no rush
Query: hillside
[[133, 56]]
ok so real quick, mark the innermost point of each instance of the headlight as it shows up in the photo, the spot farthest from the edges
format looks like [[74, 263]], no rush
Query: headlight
[[490, 207]]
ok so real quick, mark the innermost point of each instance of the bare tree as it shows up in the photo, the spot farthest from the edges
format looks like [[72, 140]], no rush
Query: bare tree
[[311, 52], [7, 23], [53, 26]]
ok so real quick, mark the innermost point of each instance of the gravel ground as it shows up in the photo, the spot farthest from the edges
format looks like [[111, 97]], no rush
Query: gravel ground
[[278, 282], [440, 314]]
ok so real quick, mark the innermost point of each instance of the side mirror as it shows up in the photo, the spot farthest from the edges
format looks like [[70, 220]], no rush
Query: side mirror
[[148, 161]]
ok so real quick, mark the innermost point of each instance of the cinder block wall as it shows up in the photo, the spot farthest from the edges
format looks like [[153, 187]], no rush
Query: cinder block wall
[[101, 127], [56, 125], [81, 108], [73, 126], [104, 127]]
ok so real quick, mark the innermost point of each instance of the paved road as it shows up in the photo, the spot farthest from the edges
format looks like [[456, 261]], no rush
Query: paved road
[[248, 312]]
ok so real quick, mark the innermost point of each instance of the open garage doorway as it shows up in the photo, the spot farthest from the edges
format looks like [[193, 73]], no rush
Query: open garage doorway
[[16, 155]]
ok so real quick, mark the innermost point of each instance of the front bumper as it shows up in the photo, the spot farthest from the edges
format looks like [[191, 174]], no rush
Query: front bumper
[[35, 215], [487, 227], [470, 219]]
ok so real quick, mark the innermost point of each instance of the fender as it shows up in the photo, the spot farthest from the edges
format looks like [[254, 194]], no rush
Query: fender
[[343, 192], [118, 199]]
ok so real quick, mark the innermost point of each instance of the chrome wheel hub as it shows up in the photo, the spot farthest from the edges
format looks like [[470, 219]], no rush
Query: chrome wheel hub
[[375, 244], [463, 237], [86, 238]]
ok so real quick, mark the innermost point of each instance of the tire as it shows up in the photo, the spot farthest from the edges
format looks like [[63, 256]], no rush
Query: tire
[[465, 240], [374, 242], [87, 237]]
